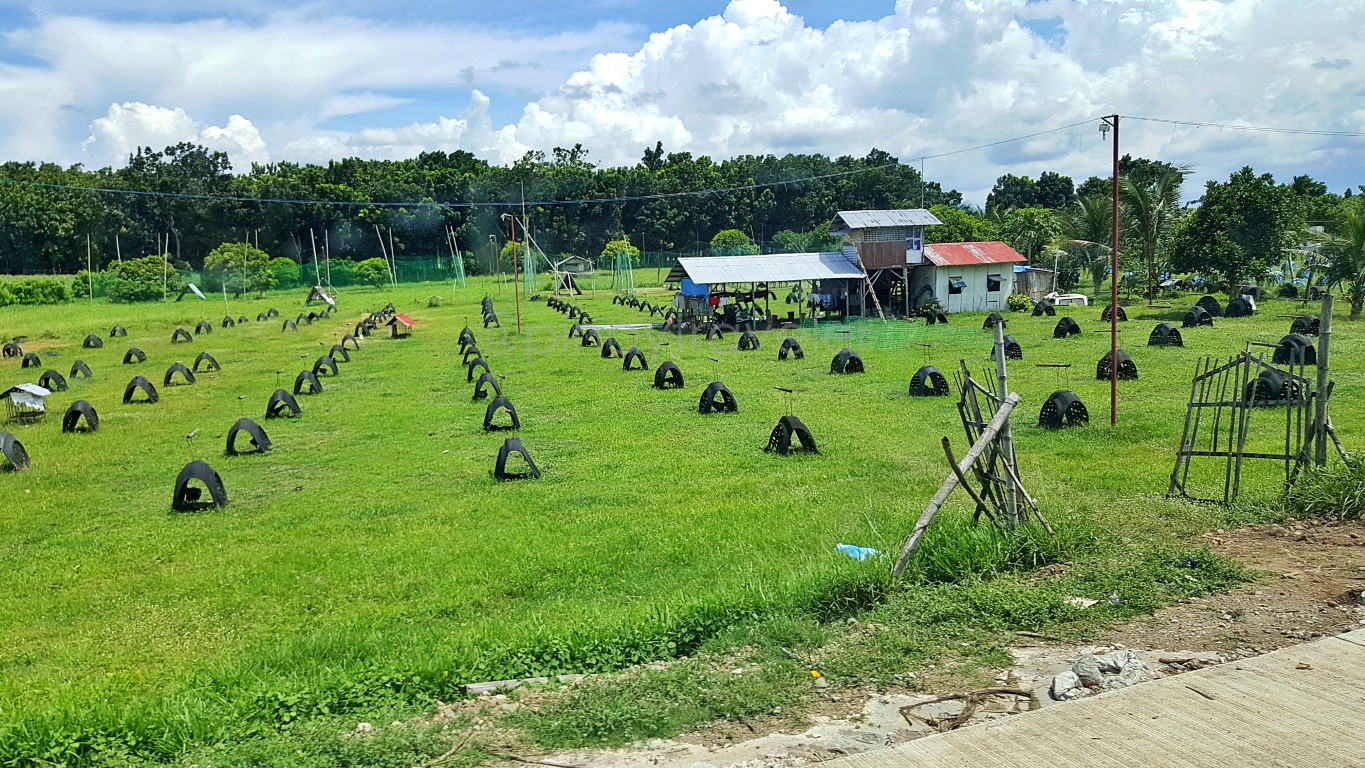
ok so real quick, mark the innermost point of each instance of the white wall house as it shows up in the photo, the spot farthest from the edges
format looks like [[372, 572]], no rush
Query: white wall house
[[968, 277]]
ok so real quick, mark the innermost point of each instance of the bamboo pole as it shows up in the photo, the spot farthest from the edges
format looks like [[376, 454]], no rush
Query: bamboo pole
[[988, 434], [316, 270], [89, 277], [1012, 516], [1320, 429], [327, 257], [393, 260], [118, 249]]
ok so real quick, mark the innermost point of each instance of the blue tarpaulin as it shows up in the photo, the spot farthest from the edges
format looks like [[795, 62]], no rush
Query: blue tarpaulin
[[689, 288]]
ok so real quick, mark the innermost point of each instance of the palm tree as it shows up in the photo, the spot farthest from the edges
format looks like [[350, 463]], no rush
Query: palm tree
[[1151, 209], [1344, 246], [1087, 232]]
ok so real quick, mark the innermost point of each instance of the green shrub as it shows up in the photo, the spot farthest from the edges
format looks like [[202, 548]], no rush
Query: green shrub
[[373, 272], [343, 272], [80, 286], [1337, 491], [1019, 303], [35, 291], [287, 273], [145, 279]]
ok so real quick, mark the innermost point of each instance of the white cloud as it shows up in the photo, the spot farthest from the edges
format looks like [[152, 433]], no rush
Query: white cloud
[[930, 77], [130, 125]]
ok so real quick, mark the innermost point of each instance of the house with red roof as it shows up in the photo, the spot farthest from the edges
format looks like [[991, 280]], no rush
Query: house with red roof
[[903, 274]]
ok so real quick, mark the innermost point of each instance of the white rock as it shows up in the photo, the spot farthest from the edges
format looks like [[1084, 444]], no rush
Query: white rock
[[1065, 686]]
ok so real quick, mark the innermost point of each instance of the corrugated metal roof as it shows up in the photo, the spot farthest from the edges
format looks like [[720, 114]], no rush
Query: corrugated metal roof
[[773, 268], [971, 254], [847, 221]]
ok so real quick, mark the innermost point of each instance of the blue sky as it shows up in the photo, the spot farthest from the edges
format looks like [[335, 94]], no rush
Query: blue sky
[[264, 81]]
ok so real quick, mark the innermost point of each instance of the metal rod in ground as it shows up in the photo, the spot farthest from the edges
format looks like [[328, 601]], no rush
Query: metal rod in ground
[[987, 436], [1320, 407]]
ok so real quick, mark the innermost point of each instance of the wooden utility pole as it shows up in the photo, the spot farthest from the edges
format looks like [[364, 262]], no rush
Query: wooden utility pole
[[1320, 400]]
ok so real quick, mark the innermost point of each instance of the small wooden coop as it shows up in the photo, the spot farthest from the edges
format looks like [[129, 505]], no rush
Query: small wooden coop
[[26, 402], [400, 326]]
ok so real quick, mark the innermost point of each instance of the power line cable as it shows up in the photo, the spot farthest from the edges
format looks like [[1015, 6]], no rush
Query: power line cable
[[1252, 128]]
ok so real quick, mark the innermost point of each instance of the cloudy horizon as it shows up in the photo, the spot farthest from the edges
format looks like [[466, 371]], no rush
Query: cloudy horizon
[[307, 82]]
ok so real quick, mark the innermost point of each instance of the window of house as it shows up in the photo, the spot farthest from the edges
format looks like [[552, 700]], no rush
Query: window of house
[[993, 283], [914, 239], [956, 285]]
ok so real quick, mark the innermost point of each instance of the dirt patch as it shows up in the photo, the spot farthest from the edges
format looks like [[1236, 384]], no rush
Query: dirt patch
[[1314, 572]]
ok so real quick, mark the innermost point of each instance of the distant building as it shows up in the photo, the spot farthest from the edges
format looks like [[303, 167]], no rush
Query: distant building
[[904, 274]]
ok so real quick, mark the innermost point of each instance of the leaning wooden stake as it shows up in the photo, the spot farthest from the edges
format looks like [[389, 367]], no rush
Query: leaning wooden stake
[[987, 436]]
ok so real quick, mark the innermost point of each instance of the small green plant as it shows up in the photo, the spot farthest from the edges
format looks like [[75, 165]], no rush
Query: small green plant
[[1018, 302], [1336, 491], [372, 272]]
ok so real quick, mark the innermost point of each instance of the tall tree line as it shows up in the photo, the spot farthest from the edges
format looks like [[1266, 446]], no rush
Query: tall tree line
[[186, 200]]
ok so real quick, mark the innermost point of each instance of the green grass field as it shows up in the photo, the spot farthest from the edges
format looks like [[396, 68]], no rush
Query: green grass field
[[371, 551]]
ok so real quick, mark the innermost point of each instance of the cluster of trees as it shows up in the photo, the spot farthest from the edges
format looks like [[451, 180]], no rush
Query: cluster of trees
[[188, 201], [1239, 231]]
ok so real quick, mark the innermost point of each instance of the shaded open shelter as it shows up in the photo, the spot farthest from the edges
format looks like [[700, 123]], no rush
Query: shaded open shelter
[[1239, 307], [260, 442], [206, 360], [469, 354], [611, 348], [180, 335], [306, 383], [1107, 313], [25, 402], [780, 441], [1127, 368], [491, 318], [203, 327], [13, 451], [1165, 335], [575, 331], [714, 331], [339, 354], [847, 361], [1066, 327], [173, 370], [1294, 349], [79, 369], [117, 330], [935, 316], [748, 342], [52, 380], [289, 325], [272, 312], [305, 318], [718, 399], [992, 320], [31, 360], [928, 381], [590, 338], [1063, 408], [76, 413], [228, 322], [509, 447], [140, 383], [634, 360], [11, 350], [282, 405], [1044, 307], [349, 338], [475, 363], [1197, 316], [325, 363], [486, 380], [1210, 305], [668, 376], [92, 342], [189, 498], [790, 346], [400, 326], [495, 405], [260, 317]]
